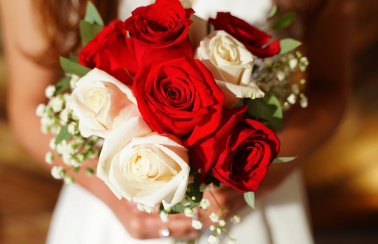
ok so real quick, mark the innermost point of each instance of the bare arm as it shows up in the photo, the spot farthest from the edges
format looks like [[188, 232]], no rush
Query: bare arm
[[27, 82], [327, 44], [328, 50]]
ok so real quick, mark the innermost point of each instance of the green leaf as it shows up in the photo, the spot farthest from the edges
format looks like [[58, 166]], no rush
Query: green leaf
[[73, 68], [283, 160], [267, 108], [88, 32], [63, 85], [250, 199], [288, 45], [273, 12], [99, 152], [92, 16], [74, 58], [63, 135], [284, 21], [161, 208], [178, 208]]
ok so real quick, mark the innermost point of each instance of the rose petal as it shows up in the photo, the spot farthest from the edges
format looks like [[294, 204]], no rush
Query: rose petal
[[233, 92], [116, 140]]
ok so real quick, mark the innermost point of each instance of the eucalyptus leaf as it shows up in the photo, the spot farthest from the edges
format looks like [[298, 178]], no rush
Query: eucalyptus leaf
[[92, 16], [249, 197], [63, 135], [283, 160], [74, 58], [273, 12], [63, 85], [267, 108], [284, 21], [72, 67], [288, 45], [88, 31]]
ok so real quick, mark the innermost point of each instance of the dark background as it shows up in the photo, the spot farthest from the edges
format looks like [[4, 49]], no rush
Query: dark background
[[341, 178]]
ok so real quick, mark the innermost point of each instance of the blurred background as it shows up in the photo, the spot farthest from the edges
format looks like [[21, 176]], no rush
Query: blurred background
[[341, 178]]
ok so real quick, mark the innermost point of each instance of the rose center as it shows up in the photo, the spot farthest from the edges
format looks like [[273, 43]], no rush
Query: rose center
[[173, 93], [156, 26], [227, 52], [142, 166], [96, 99]]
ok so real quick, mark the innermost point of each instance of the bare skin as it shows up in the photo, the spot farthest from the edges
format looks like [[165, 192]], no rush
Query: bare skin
[[305, 129]]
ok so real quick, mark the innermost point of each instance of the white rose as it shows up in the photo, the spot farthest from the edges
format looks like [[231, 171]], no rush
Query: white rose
[[144, 167], [102, 103], [231, 65]]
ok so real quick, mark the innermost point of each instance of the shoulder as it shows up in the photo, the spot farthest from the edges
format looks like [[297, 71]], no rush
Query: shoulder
[[21, 24]]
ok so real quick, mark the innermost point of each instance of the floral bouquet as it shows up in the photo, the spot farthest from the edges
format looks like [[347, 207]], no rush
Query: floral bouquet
[[169, 119]]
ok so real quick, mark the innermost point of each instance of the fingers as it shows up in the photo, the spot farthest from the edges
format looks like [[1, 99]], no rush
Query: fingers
[[181, 226], [142, 225]]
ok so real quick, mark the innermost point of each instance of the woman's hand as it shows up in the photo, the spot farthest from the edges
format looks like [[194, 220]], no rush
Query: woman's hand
[[226, 197], [27, 83], [140, 225]]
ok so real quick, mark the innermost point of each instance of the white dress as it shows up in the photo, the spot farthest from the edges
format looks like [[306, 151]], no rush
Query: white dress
[[280, 217]]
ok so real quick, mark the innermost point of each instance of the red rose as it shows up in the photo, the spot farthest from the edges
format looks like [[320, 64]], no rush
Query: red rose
[[111, 52], [253, 38], [238, 152], [179, 96], [160, 31]]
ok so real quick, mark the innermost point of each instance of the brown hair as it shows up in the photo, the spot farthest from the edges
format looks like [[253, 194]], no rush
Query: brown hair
[[60, 20]]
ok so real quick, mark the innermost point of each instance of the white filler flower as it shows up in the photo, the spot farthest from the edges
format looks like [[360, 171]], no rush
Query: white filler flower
[[213, 239], [102, 103], [57, 172], [56, 104], [40, 110], [50, 90], [188, 212], [214, 217], [52, 143], [144, 167], [205, 203], [231, 65], [140, 207], [164, 217], [49, 158], [197, 224], [148, 209], [235, 219]]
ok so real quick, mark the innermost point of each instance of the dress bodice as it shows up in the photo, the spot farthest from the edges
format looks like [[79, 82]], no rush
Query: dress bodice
[[252, 11]]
